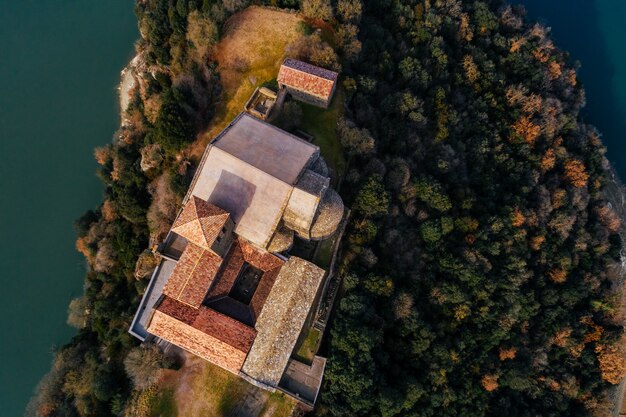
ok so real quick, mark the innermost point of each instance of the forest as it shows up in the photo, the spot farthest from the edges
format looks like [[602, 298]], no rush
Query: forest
[[481, 267]]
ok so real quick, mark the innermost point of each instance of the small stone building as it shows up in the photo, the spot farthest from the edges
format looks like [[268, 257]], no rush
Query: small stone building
[[307, 83], [261, 103]]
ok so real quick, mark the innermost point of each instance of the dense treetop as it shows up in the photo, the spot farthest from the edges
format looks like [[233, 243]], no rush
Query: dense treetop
[[478, 275]]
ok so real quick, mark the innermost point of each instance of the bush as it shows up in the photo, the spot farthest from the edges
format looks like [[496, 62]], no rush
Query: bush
[[372, 199], [317, 9], [290, 115], [143, 363], [354, 141]]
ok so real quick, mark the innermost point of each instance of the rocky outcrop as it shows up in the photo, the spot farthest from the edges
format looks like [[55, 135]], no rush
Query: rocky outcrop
[[145, 265], [151, 157]]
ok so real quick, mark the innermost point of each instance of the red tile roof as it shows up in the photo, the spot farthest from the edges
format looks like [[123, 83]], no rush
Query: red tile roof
[[307, 78], [180, 311], [244, 252], [181, 318], [224, 328], [210, 322], [193, 275], [196, 341], [310, 69], [200, 222], [232, 265], [259, 258]]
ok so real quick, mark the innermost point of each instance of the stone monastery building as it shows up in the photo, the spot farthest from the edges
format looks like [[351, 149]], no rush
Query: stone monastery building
[[227, 289]]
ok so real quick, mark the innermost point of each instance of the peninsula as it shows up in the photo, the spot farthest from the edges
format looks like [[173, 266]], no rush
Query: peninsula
[[347, 207]]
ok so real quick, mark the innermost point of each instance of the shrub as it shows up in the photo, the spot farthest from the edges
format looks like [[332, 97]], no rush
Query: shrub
[[372, 199], [317, 9], [143, 363]]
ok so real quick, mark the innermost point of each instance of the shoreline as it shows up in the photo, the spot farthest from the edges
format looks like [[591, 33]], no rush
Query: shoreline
[[126, 86], [616, 197]]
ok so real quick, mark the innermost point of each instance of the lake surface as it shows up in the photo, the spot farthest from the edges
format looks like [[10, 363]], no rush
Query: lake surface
[[59, 66], [594, 32]]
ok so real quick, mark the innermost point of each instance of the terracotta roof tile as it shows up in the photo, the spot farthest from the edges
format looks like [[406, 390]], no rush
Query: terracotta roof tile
[[307, 78], [211, 322], [224, 328], [263, 290], [243, 251], [196, 341], [259, 258], [310, 69], [180, 311], [193, 275], [232, 265], [200, 222]]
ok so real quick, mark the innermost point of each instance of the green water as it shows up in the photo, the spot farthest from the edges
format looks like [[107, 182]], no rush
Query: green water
[[594, 32], [59, 66]]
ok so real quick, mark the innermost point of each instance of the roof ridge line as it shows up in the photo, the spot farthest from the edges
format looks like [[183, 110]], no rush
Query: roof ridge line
[[309, 73], [312, 75]]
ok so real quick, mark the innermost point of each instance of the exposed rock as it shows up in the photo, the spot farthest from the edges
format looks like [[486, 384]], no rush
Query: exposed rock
[[146, 264], [151, 157], [127, 86]]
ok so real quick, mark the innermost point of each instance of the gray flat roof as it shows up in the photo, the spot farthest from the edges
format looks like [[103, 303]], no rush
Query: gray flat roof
[[266, 147], [302, 380], [150, 297], [255, 199]]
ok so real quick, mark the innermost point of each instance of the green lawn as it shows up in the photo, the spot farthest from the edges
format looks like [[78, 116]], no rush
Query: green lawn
[[163, 404], [278, 405], [322, 124], [308, 348], [325, 253], [201, 389]]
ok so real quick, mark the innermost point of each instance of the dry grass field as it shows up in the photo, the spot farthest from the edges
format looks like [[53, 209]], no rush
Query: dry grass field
[[249, 54], [200, 389]]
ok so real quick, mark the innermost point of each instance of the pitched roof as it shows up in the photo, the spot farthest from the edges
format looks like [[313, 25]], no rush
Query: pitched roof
[[200, 222], [225, 328], [280, 322], [197, 342], [232, 265], [263, 291], [204, 332], [265, 261], [308, 78], [244, 252], [193, 275]]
